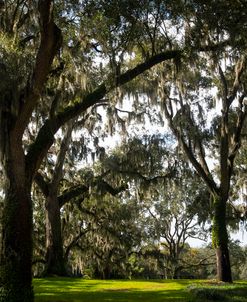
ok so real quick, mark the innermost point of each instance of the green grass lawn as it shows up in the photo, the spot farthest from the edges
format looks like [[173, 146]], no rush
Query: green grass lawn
[[79, 290]]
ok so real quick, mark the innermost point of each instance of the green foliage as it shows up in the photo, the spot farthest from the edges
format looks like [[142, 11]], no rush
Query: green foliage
[[211, 17], [238, 259], [15, 66], [16, 295]]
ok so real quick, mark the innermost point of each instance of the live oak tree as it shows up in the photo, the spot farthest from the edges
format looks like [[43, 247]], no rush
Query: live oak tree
[[96, 227], [18, 99], [187, 125], [49, 180], [117, 230], [54, 248], [167, 192], [172, 221], [59, 189]]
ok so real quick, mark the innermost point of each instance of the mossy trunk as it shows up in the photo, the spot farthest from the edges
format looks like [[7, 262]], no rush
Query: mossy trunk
[[220, 240], [55, 262], [16, 245]]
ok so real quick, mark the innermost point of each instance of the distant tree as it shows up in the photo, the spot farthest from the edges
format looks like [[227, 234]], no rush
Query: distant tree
[[173, 215], [190, 129], [238, 259], [199, 263], [116, 235]]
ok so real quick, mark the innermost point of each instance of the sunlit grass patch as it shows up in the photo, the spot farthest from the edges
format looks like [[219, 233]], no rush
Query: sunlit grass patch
[[73, 289], [78, 290]]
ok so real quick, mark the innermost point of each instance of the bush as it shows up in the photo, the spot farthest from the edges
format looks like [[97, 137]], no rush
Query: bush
[[7, 295], [206, 293]]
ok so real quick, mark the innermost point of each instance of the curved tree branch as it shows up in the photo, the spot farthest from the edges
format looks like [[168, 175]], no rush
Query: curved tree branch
[[50, 42]]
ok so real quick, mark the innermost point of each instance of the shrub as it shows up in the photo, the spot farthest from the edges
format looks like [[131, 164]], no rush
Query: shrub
[[206, 293]]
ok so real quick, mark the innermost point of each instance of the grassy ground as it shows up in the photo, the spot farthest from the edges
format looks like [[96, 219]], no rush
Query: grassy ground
[[79, 290]]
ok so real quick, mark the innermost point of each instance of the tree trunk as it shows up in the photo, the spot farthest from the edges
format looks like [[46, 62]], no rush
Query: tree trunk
[[16, 106], [106, 272], [55, 262], [16, 246], [220, 240], [175, 274]]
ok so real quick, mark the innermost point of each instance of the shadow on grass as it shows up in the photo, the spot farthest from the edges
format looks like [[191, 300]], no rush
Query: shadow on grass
[[78, 290], [114, 295]]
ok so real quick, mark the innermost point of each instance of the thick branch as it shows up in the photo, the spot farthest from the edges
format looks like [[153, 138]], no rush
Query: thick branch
[[100, 185], [189, 153], [71, 194], [239, 68], [45, 136], [43, 185], [104, 187], [58, 170], [236, 140], [224, 83], [199, 146], [50, 43], [208, 180], [75, 241]]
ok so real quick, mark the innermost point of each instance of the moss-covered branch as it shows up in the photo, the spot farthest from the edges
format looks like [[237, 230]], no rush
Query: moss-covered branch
[[72, 193], [45, 136]]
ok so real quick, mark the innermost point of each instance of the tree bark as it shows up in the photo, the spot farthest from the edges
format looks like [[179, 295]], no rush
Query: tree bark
[[16, 107], [55, 263], [220, 240], [16, 247]]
